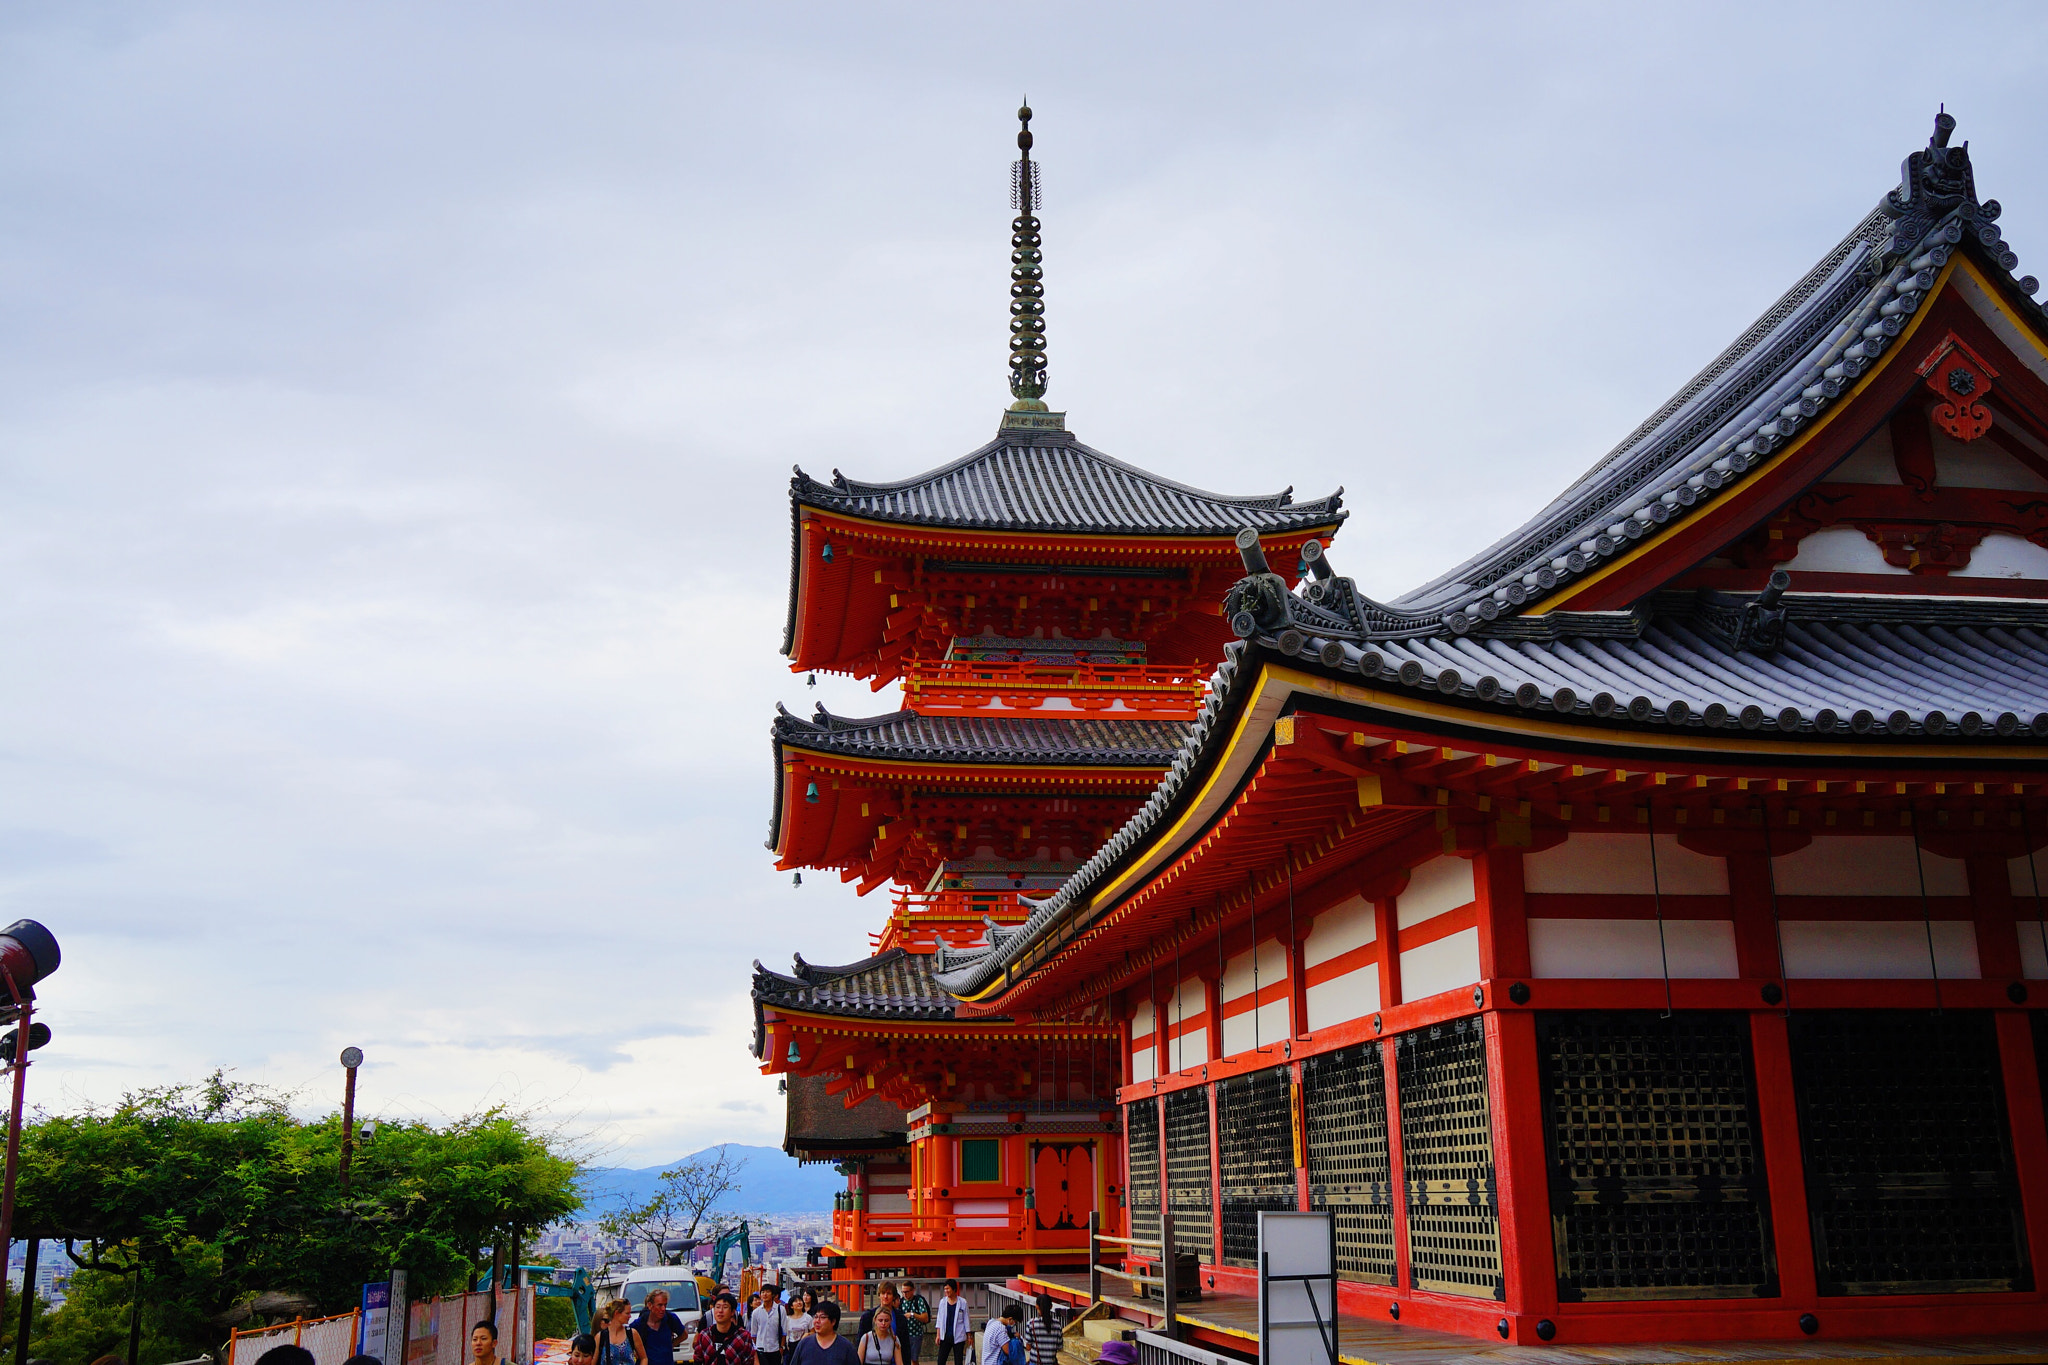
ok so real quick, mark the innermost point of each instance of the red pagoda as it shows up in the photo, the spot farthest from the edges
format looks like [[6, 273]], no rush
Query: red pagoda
[[1635, 934], [1053, 617]]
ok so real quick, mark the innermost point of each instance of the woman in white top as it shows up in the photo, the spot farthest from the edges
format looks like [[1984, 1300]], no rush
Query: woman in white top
[[881, 1345]]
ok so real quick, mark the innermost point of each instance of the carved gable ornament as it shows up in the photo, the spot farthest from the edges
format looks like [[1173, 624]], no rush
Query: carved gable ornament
[[1960, 379]]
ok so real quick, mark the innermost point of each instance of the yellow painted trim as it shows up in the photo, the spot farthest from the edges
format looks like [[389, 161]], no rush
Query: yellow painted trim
[[1562, 730], [1577, 586], [1266, 673]]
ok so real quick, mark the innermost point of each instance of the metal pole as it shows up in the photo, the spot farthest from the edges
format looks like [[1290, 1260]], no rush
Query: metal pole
[[135, 1316], [348, 1125], [1094, 1262], [28, 1300], [21, 1040], [1168, 1266]]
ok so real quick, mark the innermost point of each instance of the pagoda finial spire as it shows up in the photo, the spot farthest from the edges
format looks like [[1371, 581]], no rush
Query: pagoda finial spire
[[1027, 279]]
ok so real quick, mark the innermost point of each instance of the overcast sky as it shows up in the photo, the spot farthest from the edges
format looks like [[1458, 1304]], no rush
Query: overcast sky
[[397, 403]]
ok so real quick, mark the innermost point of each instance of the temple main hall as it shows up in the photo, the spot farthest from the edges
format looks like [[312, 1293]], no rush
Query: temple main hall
[[1633, 936]]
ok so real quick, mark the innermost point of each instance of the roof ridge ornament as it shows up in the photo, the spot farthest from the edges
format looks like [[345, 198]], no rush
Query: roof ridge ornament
[[1027, 294], [1933, 183]]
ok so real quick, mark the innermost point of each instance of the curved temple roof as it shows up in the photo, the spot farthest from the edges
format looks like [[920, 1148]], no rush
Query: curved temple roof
[[1828, 670], [1048, 481], [890, 985], [1806, 351], [1056, 740]]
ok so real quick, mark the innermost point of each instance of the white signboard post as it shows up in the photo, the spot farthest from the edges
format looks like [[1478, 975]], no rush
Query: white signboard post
[[1297, 1288]]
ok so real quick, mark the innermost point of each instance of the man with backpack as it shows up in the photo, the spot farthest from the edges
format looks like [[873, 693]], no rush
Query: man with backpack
[[999, 1343]]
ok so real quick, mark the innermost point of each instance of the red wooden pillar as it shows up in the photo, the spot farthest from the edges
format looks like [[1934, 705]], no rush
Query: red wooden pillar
[[1386, 930], [1215, 1181], [2029, 1126], [1785, 1168], [1991, 899], [1212, 1017], [1514, 1089], [1503, 920], [1389, 1069], [1758, 958]]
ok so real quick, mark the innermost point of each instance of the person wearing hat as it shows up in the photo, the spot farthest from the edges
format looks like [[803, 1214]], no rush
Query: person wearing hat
[[1118, 1352]]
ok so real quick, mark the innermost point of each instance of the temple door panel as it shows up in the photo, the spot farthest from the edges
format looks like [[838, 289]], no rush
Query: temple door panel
[[1063, 1176]]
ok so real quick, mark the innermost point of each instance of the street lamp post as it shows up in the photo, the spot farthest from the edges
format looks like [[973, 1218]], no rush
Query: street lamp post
[[351, 1058], [28, 953]]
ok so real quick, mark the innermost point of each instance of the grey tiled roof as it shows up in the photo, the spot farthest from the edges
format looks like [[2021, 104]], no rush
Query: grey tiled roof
[[1784, 371], [819, 1123], [1048, 481], [1887, 672], [1052, 740], [892, 985]]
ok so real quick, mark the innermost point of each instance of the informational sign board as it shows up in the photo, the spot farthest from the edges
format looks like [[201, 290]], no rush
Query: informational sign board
[[375, 1320], [1298, 1288]]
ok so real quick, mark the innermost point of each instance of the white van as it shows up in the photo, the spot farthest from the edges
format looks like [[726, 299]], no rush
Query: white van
[[682, 1296]]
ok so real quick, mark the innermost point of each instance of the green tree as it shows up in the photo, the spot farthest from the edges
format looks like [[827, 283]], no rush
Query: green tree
[[212, 1195]]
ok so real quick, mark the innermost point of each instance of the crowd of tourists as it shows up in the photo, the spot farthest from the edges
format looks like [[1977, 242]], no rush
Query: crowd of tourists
[[771, 1328]]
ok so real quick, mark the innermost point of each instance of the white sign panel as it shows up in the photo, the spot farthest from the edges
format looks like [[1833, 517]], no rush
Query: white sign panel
[[1297, 1288]]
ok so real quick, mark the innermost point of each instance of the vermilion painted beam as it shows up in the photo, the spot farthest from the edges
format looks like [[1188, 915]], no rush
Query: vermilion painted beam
[[1528, 1253], [1784, 1166]]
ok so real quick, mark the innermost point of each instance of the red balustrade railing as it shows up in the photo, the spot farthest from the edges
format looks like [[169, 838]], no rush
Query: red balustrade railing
[[921, 918], [855, 1228], [961, 687]]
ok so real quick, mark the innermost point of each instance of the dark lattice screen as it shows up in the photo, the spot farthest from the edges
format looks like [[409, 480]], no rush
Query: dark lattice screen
[[1141, 1141], [1447, 1159], [1254, 1123], [1656, 1176], [1188, 1189], [1344, 1104], [1909, 1169]]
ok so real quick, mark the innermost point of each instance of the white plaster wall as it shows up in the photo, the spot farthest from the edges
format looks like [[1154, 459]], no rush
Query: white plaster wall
[[1238, 976], [882, 1202], [1340, 999], [1878, 949], [1980, 464], [2000, 555], [1239, 1035], [1446, 964], [2027, 878], [1614, 948], [1144, 1046], [1619, 865], [1870, 462], [1870, 865], [1192, 1047], [1840, 549], [2033, 947], [982, 1213], [1347, 925], [1434, 888]]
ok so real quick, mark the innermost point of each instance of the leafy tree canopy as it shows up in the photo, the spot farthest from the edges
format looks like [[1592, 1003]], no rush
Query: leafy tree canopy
[[213, 1194]]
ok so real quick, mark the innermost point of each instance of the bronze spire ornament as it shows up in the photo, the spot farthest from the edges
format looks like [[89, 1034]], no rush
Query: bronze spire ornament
[[1027, 280]]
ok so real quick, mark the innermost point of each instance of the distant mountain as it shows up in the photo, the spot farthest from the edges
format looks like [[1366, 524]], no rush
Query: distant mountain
[[771, 1181]]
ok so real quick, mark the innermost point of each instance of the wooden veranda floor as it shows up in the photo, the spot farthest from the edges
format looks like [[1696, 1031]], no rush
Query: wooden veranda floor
[[1361, 1341]]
